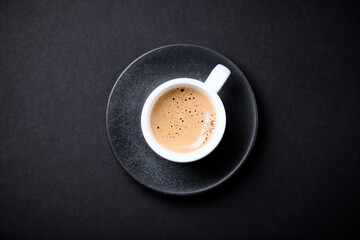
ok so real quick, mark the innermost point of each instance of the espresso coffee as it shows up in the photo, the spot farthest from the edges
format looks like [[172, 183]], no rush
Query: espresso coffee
[[183, 119]]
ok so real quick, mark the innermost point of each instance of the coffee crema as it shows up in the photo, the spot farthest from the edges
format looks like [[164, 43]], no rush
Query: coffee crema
[[183, 119]]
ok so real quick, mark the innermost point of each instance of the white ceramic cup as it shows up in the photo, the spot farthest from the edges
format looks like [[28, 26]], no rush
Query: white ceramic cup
[[210, 87]]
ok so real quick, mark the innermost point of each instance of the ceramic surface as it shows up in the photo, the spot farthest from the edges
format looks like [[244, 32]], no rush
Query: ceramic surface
[[123, 123]]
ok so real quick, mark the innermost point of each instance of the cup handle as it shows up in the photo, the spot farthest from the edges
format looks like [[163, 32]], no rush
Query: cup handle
[[217, 77]]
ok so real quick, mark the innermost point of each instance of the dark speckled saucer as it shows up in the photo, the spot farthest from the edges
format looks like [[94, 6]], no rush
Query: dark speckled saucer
[[124, 110]]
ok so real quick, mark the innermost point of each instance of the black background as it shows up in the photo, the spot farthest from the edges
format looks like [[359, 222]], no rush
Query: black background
[[60, 59]]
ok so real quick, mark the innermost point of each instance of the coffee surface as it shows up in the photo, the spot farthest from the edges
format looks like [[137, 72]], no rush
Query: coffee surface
[[183, 119]]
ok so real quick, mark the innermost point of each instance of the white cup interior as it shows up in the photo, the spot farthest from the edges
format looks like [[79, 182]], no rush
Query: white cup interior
[[190, 156]]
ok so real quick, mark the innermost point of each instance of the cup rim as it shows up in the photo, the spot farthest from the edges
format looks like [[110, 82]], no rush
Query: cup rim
[[199, 153]]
